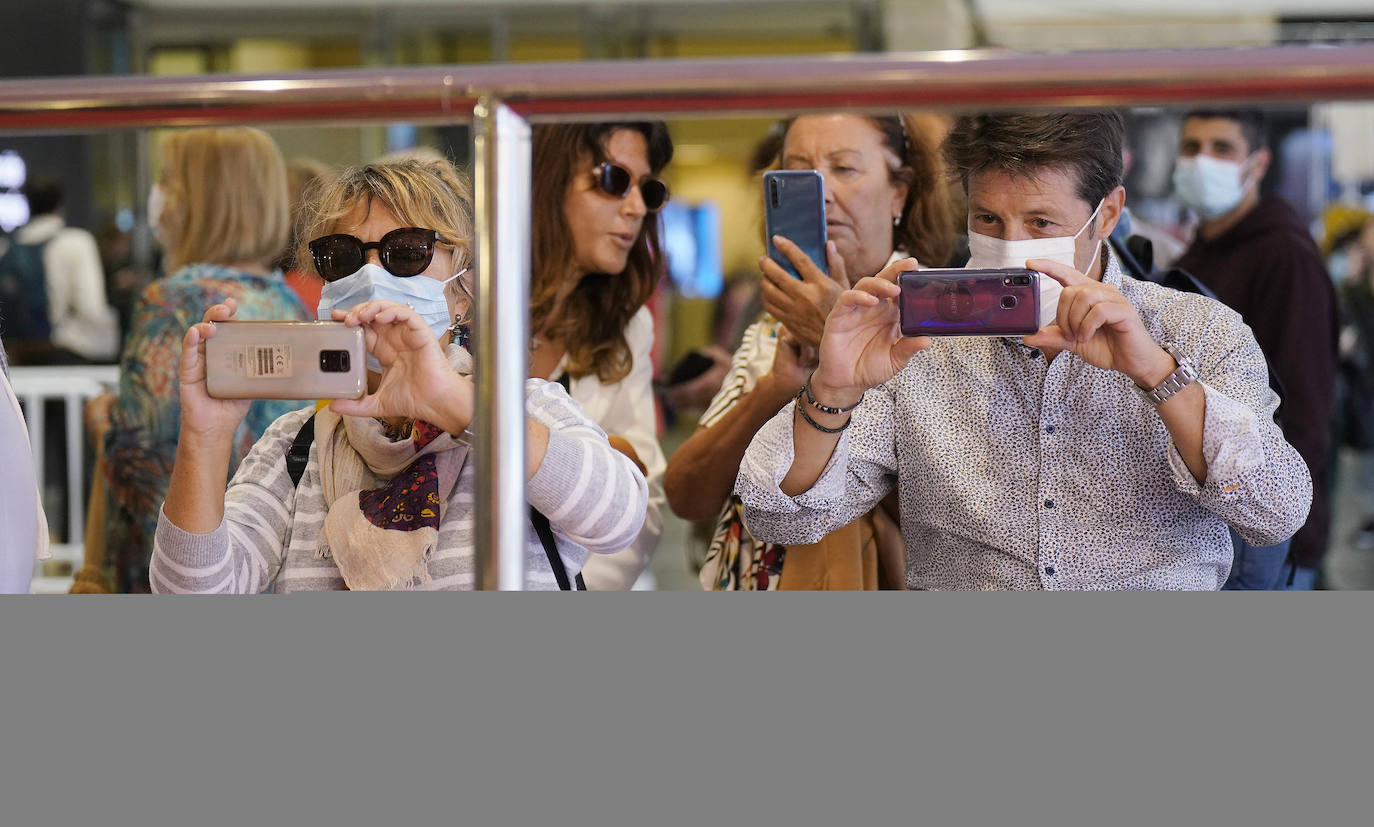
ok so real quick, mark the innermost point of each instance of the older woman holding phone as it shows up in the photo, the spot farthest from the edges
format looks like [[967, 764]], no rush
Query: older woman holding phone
[[886, 195], [385, 497]]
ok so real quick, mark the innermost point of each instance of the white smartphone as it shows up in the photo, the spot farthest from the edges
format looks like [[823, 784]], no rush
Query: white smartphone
[[285, 360]]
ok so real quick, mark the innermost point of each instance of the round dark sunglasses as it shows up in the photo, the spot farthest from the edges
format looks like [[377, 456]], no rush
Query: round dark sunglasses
[[615, 180], [403, 252]]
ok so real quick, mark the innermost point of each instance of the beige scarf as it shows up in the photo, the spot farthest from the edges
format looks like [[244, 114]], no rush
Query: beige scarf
[[386, 498]]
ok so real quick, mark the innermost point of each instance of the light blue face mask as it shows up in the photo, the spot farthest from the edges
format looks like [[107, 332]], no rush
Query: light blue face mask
[[373, 283]]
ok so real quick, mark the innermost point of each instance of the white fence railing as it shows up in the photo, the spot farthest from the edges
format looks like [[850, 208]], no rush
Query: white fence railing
[[73, 386]]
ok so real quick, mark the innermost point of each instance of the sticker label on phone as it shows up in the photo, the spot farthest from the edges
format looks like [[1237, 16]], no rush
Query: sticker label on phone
[[272, 361]]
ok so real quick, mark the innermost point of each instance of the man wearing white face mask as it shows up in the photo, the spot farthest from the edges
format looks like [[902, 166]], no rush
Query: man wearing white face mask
[[1110, 450], [1255, 253]]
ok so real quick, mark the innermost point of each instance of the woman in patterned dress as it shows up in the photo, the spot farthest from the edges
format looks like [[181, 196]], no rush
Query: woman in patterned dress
[[219, 209]]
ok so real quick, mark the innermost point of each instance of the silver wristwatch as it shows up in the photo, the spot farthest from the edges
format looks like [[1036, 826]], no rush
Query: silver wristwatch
[[1181, 378]]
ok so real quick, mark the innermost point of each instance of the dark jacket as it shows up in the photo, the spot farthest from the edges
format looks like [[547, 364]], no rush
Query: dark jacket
[[1268, 269]]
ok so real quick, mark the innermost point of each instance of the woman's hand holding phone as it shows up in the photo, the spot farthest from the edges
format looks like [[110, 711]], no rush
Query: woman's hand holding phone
[[802, 304], [863, 345], [792, 363], [201, 413], [417, 381]]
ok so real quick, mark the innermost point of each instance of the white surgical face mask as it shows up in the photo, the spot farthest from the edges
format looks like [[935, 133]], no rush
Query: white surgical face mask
[[1209, 185], [157, 200], [372, 283], [990, 252]]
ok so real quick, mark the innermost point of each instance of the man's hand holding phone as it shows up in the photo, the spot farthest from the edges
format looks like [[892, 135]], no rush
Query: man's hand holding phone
[[1097, 322], [863, 345]]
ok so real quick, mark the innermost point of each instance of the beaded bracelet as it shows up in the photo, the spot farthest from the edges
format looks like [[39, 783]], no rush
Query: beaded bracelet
[[806, 389], [801, 409]]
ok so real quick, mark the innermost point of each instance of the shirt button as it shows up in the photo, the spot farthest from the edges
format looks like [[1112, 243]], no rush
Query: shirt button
[[1049, 570], [1049, 429], [1049, 503]]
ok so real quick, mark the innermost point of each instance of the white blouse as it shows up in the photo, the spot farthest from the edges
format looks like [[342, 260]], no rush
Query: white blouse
[[626, 409]]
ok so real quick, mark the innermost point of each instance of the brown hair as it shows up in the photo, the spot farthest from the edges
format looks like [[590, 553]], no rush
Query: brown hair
[[226, 197], [429, 194], [593, 316], [927, 226], [1087, 144]]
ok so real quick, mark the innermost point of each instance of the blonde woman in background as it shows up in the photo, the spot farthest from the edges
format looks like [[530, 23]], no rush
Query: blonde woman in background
[[219, 209]]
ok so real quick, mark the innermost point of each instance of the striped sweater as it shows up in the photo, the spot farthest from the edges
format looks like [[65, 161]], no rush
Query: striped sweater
[[594, 497]]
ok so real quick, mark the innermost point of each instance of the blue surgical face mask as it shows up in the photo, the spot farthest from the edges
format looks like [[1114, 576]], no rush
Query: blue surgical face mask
[[373, 283]]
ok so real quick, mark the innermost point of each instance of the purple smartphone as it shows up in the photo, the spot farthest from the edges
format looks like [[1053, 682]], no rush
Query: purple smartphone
[[969, 302]]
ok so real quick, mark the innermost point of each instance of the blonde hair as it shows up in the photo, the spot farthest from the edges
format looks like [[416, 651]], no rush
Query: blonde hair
[[226, 197], [420, 193], [304, 178]]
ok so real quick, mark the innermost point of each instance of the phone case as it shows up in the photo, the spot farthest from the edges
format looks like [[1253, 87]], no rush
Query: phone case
[[969, 302], [285, 360], [794, 208]]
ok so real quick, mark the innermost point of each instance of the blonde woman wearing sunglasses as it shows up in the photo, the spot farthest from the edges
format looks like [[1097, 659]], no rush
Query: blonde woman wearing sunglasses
[[384, 500], [595, 262]]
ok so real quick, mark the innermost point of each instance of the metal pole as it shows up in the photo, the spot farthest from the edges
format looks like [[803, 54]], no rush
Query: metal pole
[[72, 406], [501, 164]]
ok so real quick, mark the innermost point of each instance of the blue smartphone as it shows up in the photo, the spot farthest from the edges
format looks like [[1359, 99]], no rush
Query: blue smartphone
[[794, 208]]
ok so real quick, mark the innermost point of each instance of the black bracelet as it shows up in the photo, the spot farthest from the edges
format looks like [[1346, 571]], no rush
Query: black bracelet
[[806, 389], [801, 409]]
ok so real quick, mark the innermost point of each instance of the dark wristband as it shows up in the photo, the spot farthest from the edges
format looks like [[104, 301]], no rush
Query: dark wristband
[[801, 409]]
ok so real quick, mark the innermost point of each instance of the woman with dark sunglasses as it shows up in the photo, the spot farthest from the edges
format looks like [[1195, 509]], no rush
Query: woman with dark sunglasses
[[595, 262], [385, 498], [886, 196]]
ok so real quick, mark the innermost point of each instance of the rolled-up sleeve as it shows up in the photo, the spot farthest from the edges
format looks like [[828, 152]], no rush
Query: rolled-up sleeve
[[860, 472]]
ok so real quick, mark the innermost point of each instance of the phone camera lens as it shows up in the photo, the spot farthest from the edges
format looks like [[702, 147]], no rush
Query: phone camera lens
[[334, 361], [1022, 281], [773, 192], [1008, 302]]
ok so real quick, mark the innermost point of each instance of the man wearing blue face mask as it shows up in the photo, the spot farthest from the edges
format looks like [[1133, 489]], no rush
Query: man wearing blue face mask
[[1110, 450], [1255, 253]]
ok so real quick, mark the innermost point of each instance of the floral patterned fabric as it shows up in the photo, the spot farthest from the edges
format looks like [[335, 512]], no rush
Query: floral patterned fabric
[[146, 420]]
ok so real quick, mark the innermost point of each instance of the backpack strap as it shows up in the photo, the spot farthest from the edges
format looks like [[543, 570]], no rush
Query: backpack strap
[[299, 457], [545, 532]]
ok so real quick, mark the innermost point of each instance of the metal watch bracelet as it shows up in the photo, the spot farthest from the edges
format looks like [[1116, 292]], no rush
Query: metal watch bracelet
[[1183, 376]]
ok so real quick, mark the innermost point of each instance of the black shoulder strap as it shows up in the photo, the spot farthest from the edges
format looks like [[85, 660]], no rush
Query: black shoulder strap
[[299, 455], [545, 532]]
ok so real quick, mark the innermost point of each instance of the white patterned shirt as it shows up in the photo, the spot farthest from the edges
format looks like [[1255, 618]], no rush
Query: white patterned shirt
[[1017, 474]]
